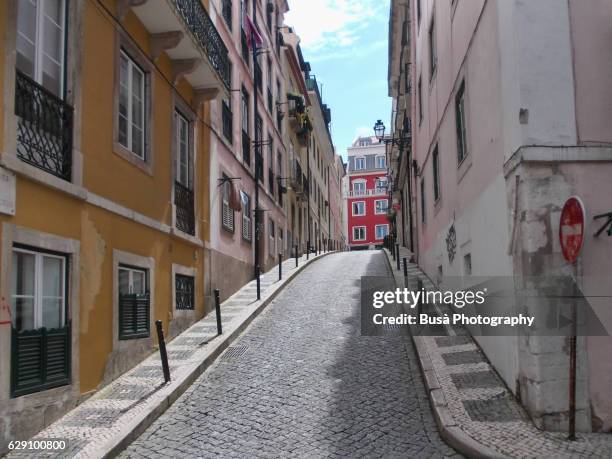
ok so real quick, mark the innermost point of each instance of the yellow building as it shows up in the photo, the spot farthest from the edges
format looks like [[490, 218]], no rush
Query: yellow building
[[104, 190]]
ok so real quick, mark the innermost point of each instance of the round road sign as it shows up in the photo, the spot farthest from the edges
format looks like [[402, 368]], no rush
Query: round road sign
[[571, 228]]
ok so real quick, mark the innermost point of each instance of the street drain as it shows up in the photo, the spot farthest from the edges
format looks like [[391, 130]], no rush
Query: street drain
[[234, 352]]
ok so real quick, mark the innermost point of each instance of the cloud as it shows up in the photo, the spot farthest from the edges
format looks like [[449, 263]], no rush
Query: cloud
[[328, 25]]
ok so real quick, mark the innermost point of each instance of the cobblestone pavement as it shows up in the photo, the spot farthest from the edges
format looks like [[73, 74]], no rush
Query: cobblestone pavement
[[303, 382]]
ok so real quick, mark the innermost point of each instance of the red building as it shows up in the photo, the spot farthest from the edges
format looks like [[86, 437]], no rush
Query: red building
[[366, 194]]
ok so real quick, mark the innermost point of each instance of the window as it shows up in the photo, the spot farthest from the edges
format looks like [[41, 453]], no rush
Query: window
[[462, 150], [359, 164], [272, 238], [182, 150], [359, 233], [279, 113], [228, 121], [381, 185], [359, 188], [40, 355], [246, 139], [382, 231], [184, 292], [134, 303], [259, 166], [358, 208], [39, 289], [279, 171], [270, 79], [131, 106], [41, 32], [270, 165], [423, 201], [420, 96], [467, 264], [436, 173], [381, 162], [227, 213], [246, 216], [381, 206], [433, 53], [227, 12]]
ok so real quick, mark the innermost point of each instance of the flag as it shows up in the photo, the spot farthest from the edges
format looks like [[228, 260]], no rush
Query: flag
[[251, 31]]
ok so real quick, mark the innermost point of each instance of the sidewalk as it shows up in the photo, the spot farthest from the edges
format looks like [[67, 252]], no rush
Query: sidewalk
[[476, 413], [107, 422]]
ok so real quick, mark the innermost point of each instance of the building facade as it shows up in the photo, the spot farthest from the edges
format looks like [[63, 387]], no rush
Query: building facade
[[367, 198], [509, 120], [104, 151]]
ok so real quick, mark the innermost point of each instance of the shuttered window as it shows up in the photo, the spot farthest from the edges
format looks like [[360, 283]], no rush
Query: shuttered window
[[227, 214], [134, 303], [246, 216], [40, 344]]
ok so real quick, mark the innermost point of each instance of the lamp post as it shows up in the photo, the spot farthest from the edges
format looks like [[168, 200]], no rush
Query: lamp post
[[402, 141]]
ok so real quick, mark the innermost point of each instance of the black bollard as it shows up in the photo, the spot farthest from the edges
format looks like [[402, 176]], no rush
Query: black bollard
[[218, 312], [405, 273], [162, 350], [296, 257], [257, 274], [397, 257], [280, 266]]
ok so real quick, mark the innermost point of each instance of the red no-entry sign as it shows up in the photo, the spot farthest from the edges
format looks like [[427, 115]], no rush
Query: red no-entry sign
[[571, 228]]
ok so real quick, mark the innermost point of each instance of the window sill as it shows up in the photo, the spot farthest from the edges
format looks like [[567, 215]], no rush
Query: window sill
[[177, 233], [130, 157]]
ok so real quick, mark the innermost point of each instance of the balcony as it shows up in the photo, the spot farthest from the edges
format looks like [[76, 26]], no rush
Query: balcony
[[44, 129], [184, 30], [185, 209], [366, 193]]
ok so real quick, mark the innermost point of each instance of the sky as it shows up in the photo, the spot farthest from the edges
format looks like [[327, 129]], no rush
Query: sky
[[345, 42]]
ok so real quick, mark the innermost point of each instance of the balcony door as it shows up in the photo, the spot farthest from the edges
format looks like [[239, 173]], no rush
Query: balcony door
[[41, 32]]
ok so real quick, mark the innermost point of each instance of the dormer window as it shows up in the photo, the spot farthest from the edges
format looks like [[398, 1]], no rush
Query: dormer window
[[360, 164], [381, 162]]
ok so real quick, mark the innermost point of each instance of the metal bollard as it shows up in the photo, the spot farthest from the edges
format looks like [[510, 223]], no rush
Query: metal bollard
[[218, 312], [405, 272], [257, 274], [162, 350], [397, 257], [296, 257], [307, 249], [280, 266]]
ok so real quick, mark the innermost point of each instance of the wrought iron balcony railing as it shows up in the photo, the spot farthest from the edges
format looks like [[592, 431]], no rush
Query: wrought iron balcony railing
[[185, 209], [44, 130], [202, 28]]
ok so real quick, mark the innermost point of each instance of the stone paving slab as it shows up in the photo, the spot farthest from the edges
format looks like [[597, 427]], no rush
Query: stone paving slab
[[475, 411], [108, 421]]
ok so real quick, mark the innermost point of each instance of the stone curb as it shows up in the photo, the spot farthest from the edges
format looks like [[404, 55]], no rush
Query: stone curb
[[449, 430], [140, 423]]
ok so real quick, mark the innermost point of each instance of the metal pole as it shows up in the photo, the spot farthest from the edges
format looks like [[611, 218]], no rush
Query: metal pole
[[162, 350], [280, 266], [218, 312], [258, 282], [572, 364], [296, 256], [405, 273], [257, 146], [397, 257]]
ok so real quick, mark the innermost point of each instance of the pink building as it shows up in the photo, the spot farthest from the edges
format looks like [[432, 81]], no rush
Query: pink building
[[511, 112], [366, 194]]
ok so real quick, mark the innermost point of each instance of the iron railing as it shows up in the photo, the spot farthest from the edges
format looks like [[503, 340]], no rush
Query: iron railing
[[228, 122], [44, 130], [204, 31], [184, 287], [246, 148], [185, 213]]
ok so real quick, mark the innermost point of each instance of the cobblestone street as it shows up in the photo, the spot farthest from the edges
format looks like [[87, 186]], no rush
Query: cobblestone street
[[302, 382]]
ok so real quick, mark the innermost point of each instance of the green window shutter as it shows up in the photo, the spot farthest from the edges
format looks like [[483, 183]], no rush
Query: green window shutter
[[134, 316]]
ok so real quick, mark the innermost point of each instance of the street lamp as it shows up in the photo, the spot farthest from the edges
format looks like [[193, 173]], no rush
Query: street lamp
[[379, 130]]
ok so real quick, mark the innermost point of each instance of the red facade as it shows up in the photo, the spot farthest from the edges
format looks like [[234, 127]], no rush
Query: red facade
[[366, 196]]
